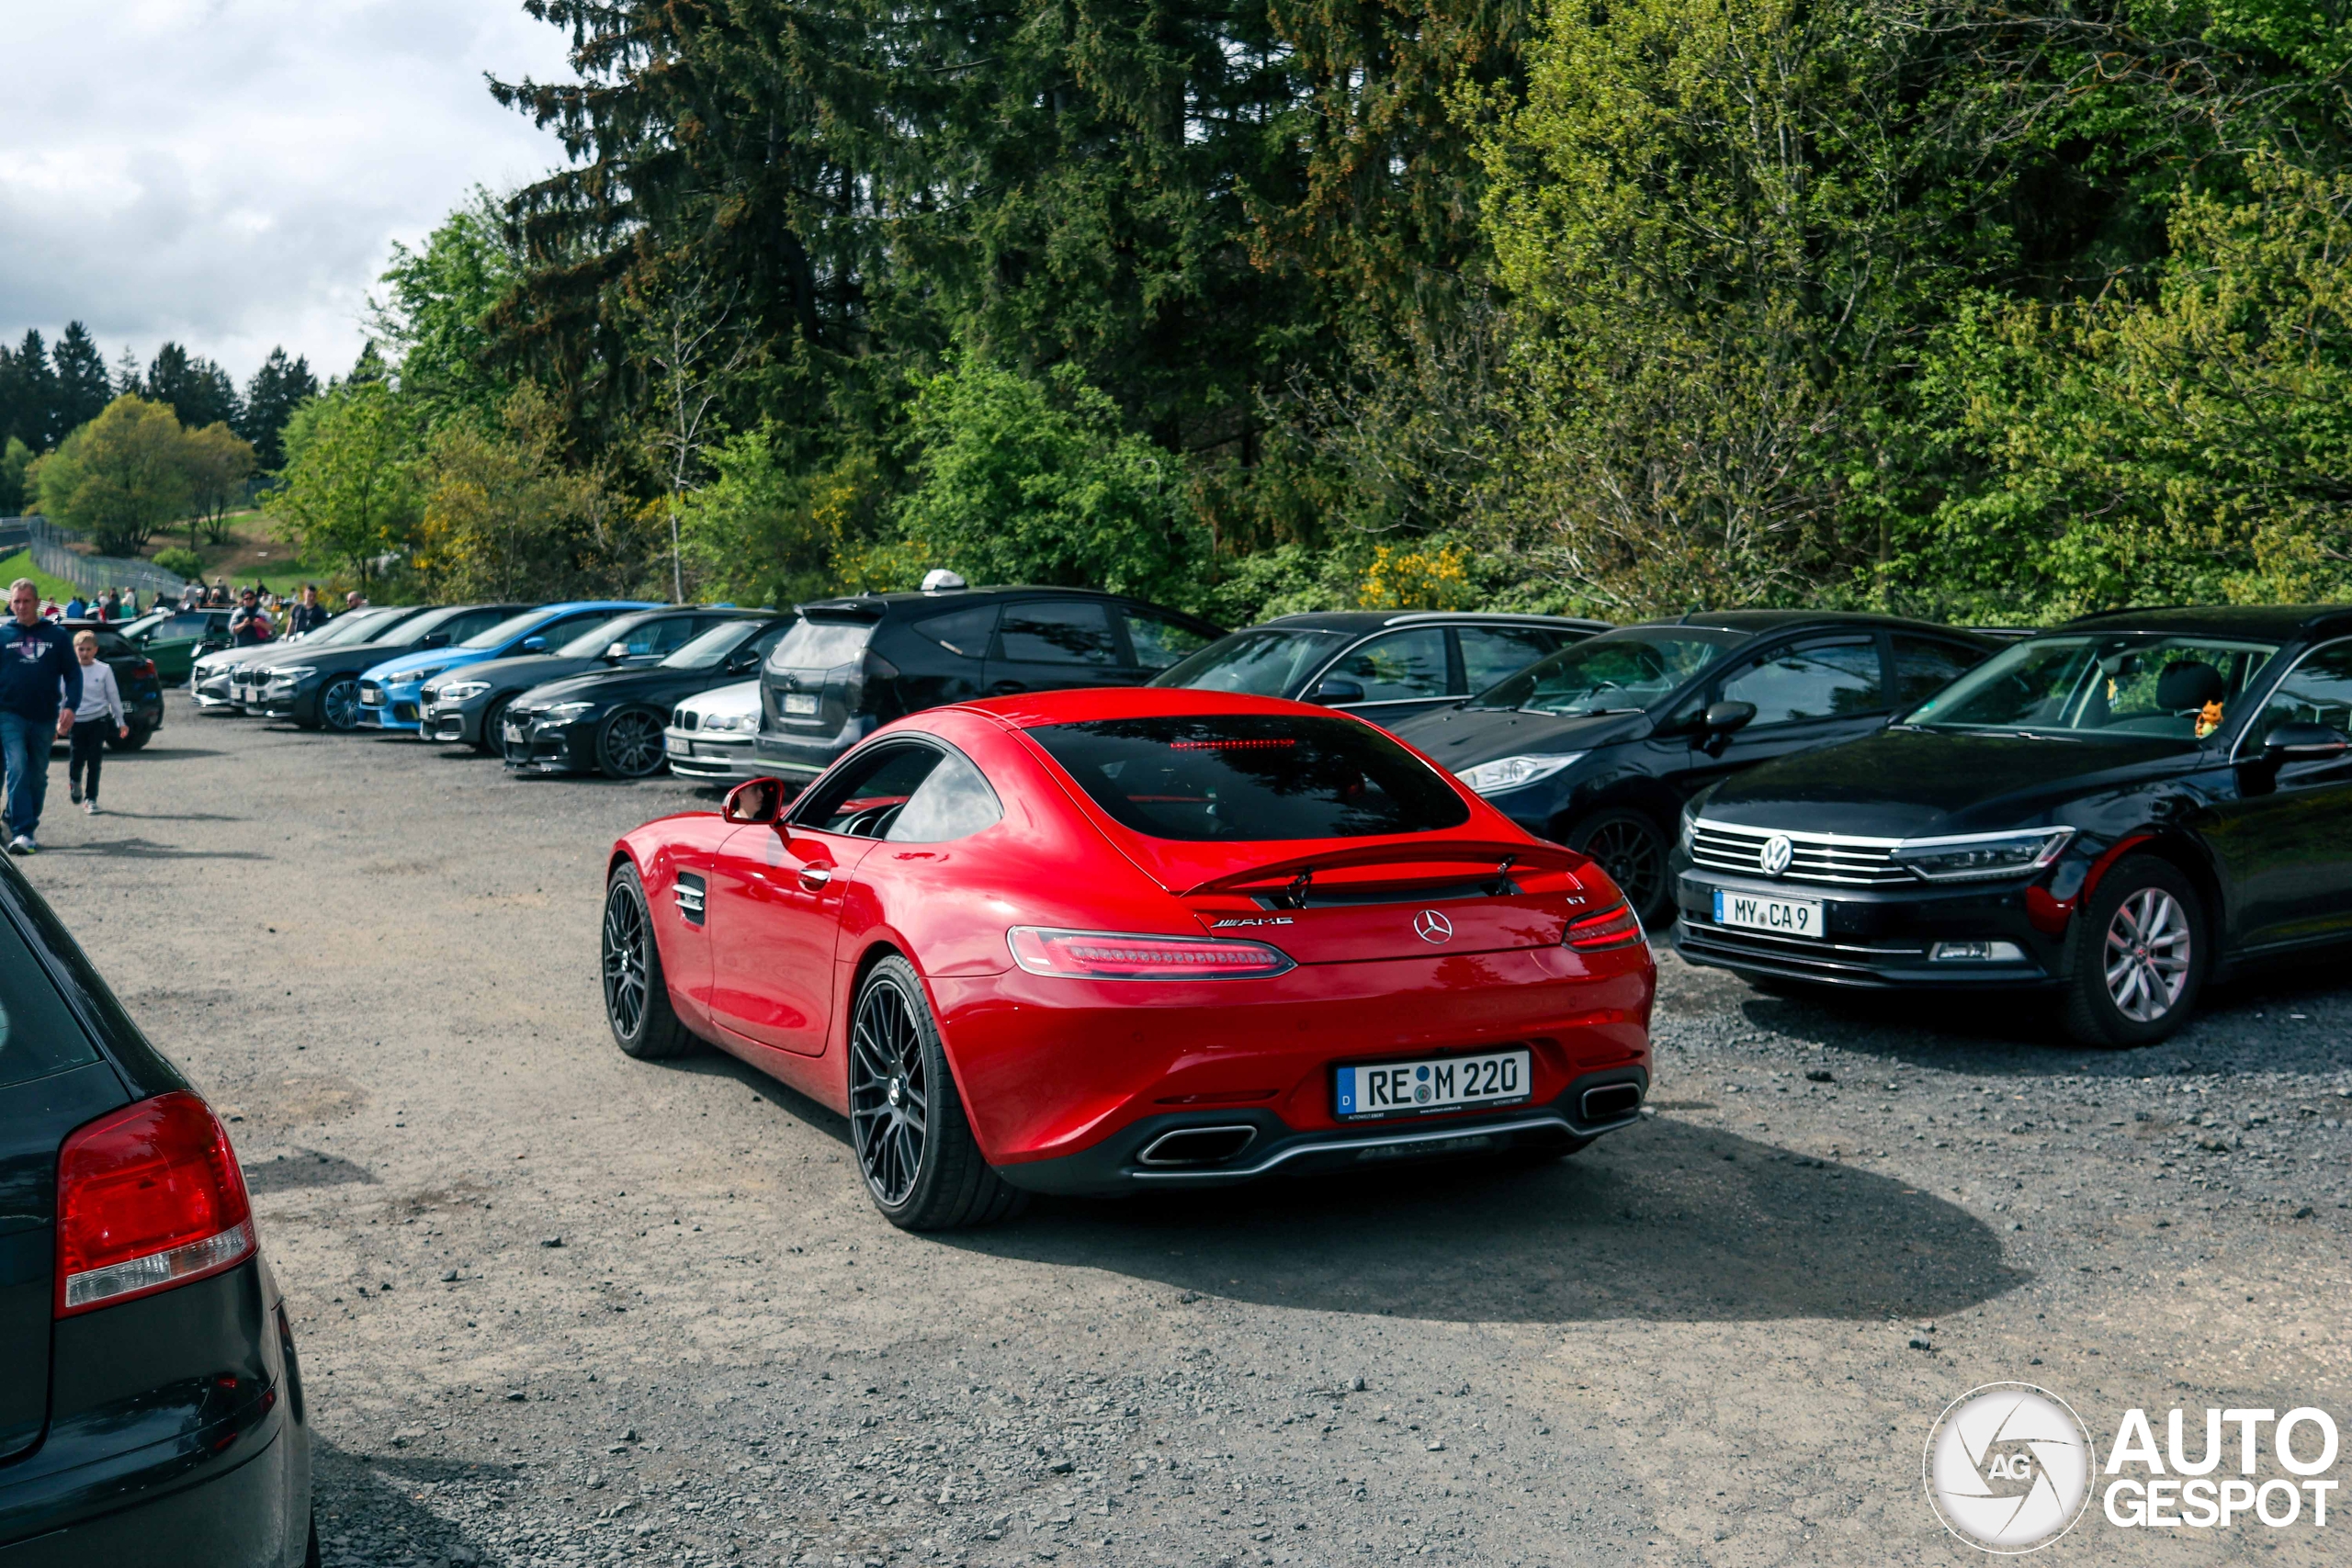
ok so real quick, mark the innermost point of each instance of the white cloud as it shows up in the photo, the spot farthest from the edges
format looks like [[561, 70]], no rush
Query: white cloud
[[231, 173]]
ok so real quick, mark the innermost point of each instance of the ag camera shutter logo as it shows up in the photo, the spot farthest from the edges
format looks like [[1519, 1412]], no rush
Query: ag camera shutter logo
[[2007, 1467]]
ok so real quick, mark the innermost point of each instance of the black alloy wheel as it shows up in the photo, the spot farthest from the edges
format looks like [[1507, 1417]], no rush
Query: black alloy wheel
[[1630, 848], [2140, 955], [922, 1166], [630, 744], [637, 997], [491, 741], [339, 704]]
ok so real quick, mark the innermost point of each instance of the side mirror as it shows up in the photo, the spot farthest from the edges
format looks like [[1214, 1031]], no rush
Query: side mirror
[[755, 800], [1336, 689], [434, 640], [2304, 743], [742, 661], [1721, 718], [615, 652], [532, 645]]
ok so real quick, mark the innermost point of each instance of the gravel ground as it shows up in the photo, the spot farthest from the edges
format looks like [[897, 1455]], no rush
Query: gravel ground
[[557, 1306]]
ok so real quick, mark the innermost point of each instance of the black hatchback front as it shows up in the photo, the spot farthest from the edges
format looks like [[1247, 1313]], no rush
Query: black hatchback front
[[151, 1407], [1598, 746], [2115, 811], [853, 665]]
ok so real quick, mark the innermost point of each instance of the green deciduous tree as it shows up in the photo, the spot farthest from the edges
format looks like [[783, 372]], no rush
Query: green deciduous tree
[[121, 477], [434, 311], [219, 461], [763, 533], [350, 489]]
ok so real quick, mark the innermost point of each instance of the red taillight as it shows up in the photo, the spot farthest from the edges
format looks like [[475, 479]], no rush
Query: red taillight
[[1118, 955], [148, 1197], [1616, 926], [143, 669]]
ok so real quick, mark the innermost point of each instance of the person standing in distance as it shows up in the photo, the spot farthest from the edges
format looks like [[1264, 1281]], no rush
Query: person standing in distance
[[36, 664], [248, 622], [101, 698], [308, 615]]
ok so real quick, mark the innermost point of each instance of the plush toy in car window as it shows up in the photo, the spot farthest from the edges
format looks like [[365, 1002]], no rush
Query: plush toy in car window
[[2209, 719]]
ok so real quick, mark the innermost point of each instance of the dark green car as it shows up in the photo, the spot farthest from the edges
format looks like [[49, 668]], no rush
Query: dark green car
[[174, 639]]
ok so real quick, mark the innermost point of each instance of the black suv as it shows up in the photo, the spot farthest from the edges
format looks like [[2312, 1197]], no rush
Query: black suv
[[1384, 665], [150, 1406], [1598, 746], [853, 665], [2115, 810], [134, 672]]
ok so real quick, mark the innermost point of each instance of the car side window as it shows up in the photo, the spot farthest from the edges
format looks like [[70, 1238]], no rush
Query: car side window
[[1494, 654], [965, 632], [665, 635], [2319, 692], [1822, 680], [558, 632], [456, 628], [1923, 668], [1399, 667], [953, 801], [865, 800], [1070, 631], [1162, 644], [766, 642]]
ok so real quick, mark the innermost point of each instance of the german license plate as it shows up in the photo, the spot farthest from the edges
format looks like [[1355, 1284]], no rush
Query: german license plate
[[1441, 1083], [1787, 917], [800, 704], [515, 735]]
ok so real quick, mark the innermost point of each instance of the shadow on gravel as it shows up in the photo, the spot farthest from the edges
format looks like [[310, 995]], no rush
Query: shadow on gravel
[[1663, 1220], [371, 1507], [308, 1168], [149, 753], [147, 848]]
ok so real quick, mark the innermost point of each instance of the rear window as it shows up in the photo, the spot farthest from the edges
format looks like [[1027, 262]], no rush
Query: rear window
[[821, 645], [38, 1036], [1252, 777]]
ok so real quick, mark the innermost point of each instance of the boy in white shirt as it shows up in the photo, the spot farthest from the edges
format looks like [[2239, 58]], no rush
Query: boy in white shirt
[[101, 698]]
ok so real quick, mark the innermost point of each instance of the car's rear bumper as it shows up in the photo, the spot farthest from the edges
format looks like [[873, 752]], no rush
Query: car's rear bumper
[[1125, 1162], [255, 1515], [1873, 938]]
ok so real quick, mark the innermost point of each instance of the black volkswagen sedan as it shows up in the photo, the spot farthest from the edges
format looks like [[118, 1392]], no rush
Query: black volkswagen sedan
[[853, 665], [1382, 665], [1598, 746], [151, 1407], [2116, 811], [466, 705], [613, 721]]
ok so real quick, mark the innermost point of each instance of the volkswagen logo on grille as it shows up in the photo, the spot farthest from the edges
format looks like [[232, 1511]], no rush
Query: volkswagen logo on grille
[[1430, 926], [1776, 854]]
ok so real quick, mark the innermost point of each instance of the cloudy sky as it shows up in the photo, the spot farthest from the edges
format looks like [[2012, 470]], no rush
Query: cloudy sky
[[232, 172]]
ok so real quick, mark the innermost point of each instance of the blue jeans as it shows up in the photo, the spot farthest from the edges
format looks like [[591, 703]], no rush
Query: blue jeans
[[24, 744]]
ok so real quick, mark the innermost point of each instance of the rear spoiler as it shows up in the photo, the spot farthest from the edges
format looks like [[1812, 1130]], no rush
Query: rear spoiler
[[1492, 854], [843, 610]]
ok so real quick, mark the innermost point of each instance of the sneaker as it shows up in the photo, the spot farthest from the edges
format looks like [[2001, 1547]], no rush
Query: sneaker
[[77, 795], [90, 807], [22, 844]]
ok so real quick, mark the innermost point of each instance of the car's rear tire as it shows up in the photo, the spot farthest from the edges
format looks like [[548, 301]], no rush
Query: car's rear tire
[[914, 1147], [140, 735], [310, 1556], [1632, 848], [2140, 955], [630, 744], [339, 704], [636, 997]]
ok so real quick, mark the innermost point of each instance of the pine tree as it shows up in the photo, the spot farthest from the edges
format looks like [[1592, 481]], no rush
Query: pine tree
[[36, 395], [199, 392], [277, 389], [82, 389]]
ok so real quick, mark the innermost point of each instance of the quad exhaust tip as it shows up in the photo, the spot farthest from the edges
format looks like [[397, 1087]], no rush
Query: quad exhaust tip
[[1612, 1103], [1196, 1145]]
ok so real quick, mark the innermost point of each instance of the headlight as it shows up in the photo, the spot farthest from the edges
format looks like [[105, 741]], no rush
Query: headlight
[[731, 722], [460, 691], [564, 712], [424, 675], [1690, 827], [292, 675], [1511, 773], [1970, 855]]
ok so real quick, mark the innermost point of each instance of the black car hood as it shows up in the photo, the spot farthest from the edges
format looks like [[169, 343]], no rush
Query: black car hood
[[1912, 784], [654, 686], [1465, 737]]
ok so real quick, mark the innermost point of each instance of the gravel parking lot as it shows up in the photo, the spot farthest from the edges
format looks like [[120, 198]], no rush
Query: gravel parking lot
[[557, 1306]]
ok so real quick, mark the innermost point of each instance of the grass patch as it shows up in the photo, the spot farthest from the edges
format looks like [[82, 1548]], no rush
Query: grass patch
[[21, 564]]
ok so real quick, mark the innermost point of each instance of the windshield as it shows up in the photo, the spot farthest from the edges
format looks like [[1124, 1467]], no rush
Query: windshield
[[602, 636], [1253, 777], [1616, 671], [359, 625], [2095, 685], [507, 630], [1267, 662], [710, 649]]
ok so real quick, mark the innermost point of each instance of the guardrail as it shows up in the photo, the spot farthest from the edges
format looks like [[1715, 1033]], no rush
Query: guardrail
[[52, 552]]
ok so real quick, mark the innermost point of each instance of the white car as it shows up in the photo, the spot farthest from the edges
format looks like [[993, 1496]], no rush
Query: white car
[[713, 735]]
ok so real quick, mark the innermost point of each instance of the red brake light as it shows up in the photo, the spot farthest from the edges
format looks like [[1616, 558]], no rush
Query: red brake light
[[142, 670], [1616, 926], [1122, 955], [148, 1197]]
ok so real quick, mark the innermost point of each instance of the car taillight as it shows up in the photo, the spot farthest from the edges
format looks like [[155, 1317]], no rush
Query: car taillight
[[143, 670], [1616, 926], [1120, 956], [148, 1197]]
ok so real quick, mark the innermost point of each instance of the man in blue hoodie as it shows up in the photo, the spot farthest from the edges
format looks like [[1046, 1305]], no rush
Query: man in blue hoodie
[[41, 685]]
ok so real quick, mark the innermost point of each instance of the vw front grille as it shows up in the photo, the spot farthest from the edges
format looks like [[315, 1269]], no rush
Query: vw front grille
[[1832, 858]]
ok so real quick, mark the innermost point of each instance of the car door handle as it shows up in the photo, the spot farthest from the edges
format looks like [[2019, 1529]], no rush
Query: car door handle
[[813, 877], [1006, 688]]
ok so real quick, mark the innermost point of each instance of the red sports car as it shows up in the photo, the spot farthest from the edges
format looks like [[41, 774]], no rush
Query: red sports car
[[1097, 941]]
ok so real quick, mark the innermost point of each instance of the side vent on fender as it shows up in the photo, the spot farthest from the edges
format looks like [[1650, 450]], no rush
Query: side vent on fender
[[689, 896]]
